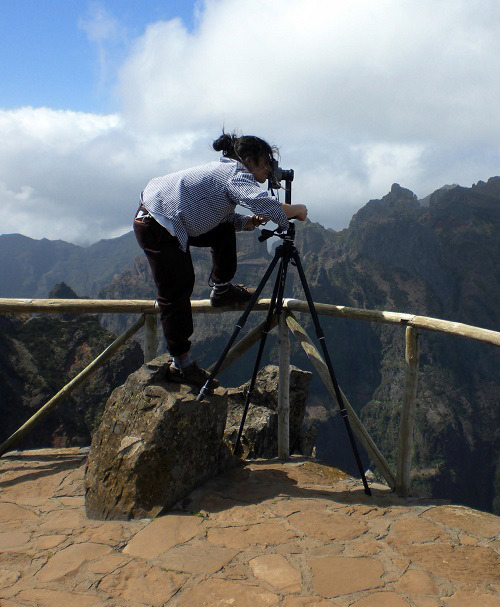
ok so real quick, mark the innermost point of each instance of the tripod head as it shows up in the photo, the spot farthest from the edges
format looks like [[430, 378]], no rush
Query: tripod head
[[288, 234]]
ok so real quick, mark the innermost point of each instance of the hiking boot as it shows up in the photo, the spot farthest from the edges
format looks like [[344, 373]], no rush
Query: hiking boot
[[232, 294], [194, 375]]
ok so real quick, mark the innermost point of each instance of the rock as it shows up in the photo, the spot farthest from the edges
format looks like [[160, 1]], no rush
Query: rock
[[259, 438], [155, 444]]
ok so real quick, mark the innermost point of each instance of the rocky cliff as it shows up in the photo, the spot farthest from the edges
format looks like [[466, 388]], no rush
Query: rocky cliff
[[41, 354], [437, 261]]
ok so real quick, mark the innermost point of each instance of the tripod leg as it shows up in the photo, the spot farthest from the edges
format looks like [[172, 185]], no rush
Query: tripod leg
[[239, 325], [338, 394], [276, 301]]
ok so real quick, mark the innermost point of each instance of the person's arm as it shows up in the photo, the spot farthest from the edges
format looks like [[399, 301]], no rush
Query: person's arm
[[295, 211], [243, 189]]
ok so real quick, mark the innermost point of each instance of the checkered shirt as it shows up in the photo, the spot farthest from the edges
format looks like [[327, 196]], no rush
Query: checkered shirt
[[197, 200]]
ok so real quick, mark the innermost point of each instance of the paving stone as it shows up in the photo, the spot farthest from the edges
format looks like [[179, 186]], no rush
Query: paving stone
[[472, 521], [260, 534], [328, 550], [326, 525], [242, 514], [426, 601], [381, 599], [63, 521], [469, 599], [13, 539], [15, 561], [56, 598], [416, 582], [197, 558], [277, 571], [222, 593], [26, 487], [235, 572], [140, 583], [305, 601], [107, 564], [456, 563], [46, 542], [298, 547], [7, 603], [363, 548], [8, 578], [286, 507], [468, 540], [70, 560], [111, 533], [337, 575], [72, 502], [312, 473], [416, 530], [12, 514], [162, 534]]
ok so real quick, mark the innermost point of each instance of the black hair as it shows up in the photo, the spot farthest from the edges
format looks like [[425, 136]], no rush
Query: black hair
[[244, 147]]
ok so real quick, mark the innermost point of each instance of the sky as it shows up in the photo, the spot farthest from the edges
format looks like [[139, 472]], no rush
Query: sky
[[98, 97]]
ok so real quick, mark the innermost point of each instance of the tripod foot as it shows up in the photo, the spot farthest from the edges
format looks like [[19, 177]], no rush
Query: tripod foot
[[238, 450], [205, 391]]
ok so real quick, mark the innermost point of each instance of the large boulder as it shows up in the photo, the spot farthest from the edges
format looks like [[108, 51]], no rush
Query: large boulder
[[259, 437], [155, 444]]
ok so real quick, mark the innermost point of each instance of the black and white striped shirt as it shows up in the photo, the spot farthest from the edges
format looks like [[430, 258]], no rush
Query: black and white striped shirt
[[198, 199]]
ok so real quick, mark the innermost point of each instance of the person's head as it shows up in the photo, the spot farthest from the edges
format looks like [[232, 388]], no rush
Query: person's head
[[255, 153]]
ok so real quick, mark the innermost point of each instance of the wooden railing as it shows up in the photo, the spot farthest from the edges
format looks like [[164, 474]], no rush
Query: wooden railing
[[148, 309]]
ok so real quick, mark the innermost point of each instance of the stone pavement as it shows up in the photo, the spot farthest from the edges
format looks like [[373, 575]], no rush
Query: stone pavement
[[298, 534]]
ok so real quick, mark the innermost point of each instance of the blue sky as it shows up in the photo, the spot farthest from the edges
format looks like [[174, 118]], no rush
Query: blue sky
[[48, 58], [96, 98]]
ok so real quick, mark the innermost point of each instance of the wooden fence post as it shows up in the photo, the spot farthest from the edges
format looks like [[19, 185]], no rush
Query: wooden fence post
[[283, 388], [150, 337], [407, 413]]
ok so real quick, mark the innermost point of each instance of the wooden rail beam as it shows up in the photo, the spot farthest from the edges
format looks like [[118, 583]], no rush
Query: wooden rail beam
[[202, 306]]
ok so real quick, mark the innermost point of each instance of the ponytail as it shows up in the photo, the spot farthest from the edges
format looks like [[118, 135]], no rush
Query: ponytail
[[244, 148]]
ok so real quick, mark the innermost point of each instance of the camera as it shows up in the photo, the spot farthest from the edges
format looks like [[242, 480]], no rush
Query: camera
[[278, 175]]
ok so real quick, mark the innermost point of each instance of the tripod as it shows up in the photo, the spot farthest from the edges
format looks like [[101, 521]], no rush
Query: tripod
[[285, 254]]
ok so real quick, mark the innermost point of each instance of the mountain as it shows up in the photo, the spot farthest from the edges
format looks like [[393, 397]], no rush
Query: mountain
[[440, 261], [41, 354], [435, 260], [36, 265]]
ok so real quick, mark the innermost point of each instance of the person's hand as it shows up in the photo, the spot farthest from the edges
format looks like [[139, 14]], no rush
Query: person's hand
[[295, 211], [301, 212], [256, 220]]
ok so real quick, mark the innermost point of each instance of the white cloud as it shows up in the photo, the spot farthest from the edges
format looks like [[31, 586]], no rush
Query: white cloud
[[108, 36], [357, 95]]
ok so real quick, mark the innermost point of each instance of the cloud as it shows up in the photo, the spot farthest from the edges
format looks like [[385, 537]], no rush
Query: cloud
[[108, 36], [358, 95]]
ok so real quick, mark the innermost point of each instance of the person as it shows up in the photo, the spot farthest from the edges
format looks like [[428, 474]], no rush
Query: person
[[196, 207]]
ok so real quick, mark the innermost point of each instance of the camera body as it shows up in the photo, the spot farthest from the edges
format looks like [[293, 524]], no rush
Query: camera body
[[278, 175]]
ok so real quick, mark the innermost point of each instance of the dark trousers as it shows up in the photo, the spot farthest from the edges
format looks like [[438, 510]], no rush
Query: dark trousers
[[173, 273]]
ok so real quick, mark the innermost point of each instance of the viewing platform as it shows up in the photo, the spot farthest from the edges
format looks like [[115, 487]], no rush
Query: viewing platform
[[294, 534]]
